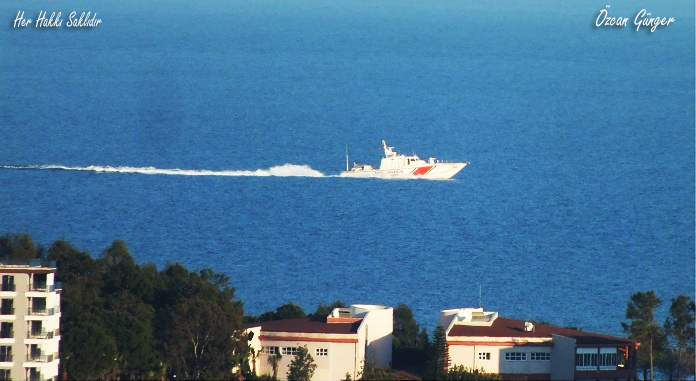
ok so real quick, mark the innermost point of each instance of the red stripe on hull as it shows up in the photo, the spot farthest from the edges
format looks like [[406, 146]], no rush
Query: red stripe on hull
[[421, 171]]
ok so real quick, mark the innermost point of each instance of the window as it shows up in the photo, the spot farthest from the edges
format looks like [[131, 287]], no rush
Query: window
[[6, 331], [607, 359], [5, 374], [8, 283], [289, 351], [6, 353], [7, 307], [322, 352], [484, 355], [540, 356], [586, 361], [515, 356], [270, 350]]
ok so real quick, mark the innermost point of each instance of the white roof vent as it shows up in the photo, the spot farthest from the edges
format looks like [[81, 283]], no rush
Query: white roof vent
[[528, 327]]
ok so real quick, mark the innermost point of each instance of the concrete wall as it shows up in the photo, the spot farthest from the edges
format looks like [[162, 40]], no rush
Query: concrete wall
[[563, 358], [340, 359], [377, 328], [468, 356]]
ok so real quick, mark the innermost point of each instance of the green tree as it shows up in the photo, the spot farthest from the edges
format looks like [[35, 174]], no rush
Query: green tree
[[286, 311], [18, 247], [679, 326], [302, 367], [643, 328], [273, 361], [409, 341], [438, 357], [371, 372], [323, 311], [460, 373], [406, 329], [201, 338], [289, 311], [93, 349]]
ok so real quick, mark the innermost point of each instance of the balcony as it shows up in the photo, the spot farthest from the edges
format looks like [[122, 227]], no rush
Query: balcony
[[41, 334], [43, 311], [41, 358], [40, 287], [37, 311]]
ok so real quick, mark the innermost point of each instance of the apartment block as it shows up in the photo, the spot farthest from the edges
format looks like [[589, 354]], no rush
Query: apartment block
[[29, 320]]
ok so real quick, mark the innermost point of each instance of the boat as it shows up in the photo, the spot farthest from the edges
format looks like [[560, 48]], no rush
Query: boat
[[400, 166]]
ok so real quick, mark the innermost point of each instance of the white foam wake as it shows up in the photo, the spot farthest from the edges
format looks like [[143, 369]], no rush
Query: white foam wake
[[284, 170]]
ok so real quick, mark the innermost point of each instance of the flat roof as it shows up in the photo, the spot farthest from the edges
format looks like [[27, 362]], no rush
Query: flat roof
[[306, 325], [503, 327]]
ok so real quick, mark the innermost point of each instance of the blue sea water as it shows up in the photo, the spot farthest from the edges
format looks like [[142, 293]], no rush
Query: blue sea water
[[580, 189]]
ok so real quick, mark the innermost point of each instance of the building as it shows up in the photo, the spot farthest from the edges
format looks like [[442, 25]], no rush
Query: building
[[29, 320], [516, 349], [342, 343]]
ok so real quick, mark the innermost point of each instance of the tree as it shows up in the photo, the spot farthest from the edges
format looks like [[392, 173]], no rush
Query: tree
[[302, 366], [406, 329], [460, 373], [409, 342], [370, 372], [18, 247], [323, 311], [642, 327], [286, 311], [680, 328], [438, 358], [289, 311], [274, 360]]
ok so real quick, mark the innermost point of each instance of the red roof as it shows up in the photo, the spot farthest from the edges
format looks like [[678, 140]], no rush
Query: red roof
[[515, 328], [306, 325]]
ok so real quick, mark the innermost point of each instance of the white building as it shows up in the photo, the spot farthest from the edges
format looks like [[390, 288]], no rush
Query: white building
[[515, 349], [29, 320], [342, 343]]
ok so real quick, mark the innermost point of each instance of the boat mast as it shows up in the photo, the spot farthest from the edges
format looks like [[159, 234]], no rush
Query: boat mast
[[347, 158]]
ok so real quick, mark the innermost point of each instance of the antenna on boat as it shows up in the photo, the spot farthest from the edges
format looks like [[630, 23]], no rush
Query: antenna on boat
[[480, 296], [347, 158]]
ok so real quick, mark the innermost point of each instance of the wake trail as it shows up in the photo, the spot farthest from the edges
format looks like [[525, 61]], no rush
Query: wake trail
[[285, 170]]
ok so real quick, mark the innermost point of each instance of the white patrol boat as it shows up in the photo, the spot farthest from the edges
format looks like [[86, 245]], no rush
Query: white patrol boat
[[399, 166]]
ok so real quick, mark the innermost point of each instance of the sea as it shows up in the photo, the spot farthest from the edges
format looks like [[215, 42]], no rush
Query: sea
[[211, 133]]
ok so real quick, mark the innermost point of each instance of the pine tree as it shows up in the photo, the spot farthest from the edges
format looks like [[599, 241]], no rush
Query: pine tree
[[642, 326], [438, 359], [680, 327]]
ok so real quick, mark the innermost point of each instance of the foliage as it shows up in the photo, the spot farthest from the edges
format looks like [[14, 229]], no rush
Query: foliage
[[17, 247], [679, 326], [460, 373], [370, 372], [274, 360], [302, 366], [409, 342], [643, 328], [406, 329], [123, 320], [286, 311], [323, 311], [438, 358]]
